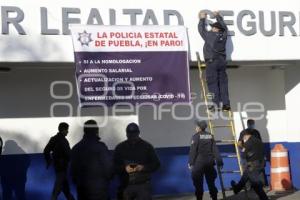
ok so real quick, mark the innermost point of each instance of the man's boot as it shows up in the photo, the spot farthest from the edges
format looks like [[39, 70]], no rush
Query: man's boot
[[235, 188], [214, 198], [199, 197]]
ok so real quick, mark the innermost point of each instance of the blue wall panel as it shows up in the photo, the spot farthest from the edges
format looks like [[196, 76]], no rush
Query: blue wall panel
[[172, 178]]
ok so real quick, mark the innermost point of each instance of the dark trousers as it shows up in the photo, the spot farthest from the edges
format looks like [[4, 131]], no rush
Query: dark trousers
[[120, 191], [61, 185], [89, 193], [254, 177], [217, 80], [263, 175], [210, 174], [138, 192], [9, 187]]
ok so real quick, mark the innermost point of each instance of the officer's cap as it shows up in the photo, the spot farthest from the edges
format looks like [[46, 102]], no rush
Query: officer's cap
[[217, 25], [201, 124]]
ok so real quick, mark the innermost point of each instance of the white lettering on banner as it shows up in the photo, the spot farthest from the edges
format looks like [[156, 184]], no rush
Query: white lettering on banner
[[158, 76], [143, 38], [120, 70], [95, 80], [124, 61], [141, 79], [132, 79], [94, 71], [120, 61]]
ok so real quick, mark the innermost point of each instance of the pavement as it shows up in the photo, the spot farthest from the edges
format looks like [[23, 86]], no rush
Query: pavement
[[293, 195]]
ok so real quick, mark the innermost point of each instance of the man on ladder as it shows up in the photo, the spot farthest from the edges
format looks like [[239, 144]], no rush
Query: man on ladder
[[215, 58]]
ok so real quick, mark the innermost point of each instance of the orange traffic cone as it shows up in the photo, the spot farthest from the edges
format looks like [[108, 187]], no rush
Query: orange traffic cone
[[280, 169]]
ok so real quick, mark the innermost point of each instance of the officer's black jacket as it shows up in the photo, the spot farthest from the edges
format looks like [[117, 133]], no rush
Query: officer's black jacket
[[215, 43], [91, 163], [59, 146], [139, 152], [204, 150], [252, 131], [254, 149]]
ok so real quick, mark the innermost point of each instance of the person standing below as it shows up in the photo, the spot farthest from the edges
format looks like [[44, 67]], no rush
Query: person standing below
[[254, 132], [215, 58], [135, 160], [251, 129], [91, 165], [253, 149], [58, 150], [202, 156]]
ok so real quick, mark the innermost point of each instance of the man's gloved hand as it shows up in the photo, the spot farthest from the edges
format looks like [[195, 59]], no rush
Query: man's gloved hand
[[202, 15], [216, 13], [190, 167], [129, 169], [139, 168]]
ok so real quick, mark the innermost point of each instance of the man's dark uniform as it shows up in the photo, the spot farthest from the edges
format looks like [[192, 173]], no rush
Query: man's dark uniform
[[135, 185], [60, 148], [202, 156], [252, 131], [215, 58], [254, 153], [91, 167]]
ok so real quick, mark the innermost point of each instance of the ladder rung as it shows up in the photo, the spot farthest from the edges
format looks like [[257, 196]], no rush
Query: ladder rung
[[230, 171], [221, 126], [227, 111], [229, 156], [225, 141]]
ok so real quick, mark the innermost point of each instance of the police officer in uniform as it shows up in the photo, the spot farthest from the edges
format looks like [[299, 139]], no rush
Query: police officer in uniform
[[203, 154], [253, 149], [215, 58]]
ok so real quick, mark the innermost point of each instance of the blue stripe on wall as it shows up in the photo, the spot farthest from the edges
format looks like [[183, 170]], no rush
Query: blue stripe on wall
[[172, 178]]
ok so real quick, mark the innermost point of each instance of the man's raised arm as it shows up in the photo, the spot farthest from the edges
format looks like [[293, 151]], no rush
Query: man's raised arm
[[220, 19], [202, 26]]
